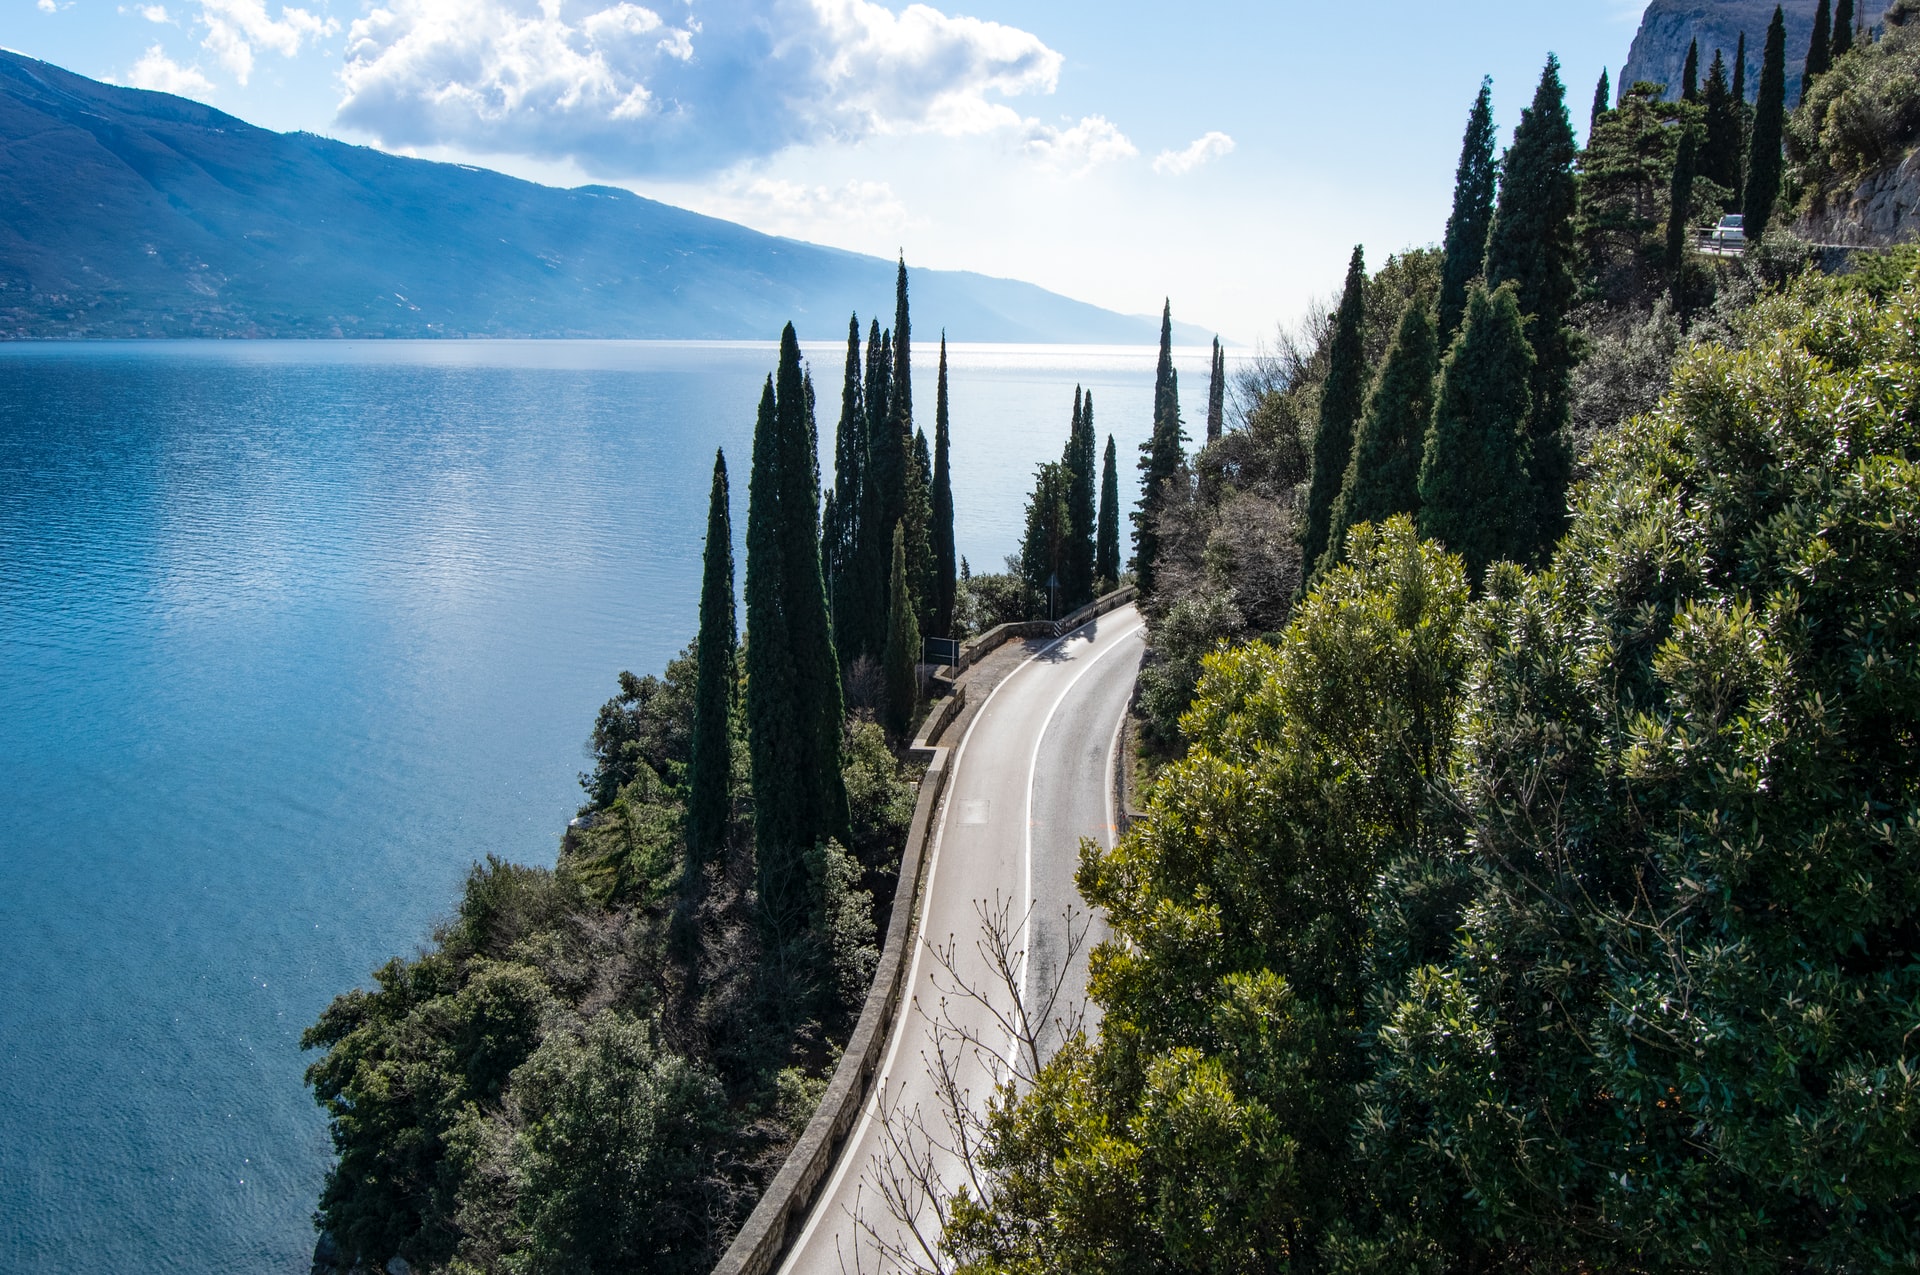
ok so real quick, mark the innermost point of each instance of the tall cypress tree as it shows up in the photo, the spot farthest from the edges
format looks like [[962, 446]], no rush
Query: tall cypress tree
[[902, 660], [902, 389], [1745, 113], [1473, 475], [1341, 402], [710, 764], [1602, 103], [1465, 253], [1690, 73], [1842, 29], [1160, 457], [841, 537], [919, 524], [1769, 125], [946, 580], [1217, 394], [1679, 201], [1383, 478], [1819, 51], [1740, 72], [883, 499], [1106, 550], [1532, 246], [794, 710], [1720, 147], [1077, 562]]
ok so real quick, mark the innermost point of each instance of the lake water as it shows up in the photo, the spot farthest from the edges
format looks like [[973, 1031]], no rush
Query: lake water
[[290, 634]]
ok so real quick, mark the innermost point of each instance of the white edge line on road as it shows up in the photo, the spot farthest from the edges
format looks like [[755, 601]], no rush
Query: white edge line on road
[[859, 1134]]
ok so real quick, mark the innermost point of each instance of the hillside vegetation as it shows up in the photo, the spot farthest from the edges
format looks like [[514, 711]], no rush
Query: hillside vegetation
[[1571, 924]]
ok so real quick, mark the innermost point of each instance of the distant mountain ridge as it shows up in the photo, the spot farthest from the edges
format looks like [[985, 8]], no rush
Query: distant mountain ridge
[[1659, 51], [127, 213]]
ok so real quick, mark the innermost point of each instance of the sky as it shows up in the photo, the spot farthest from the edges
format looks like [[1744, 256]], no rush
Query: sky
[[1227, 156]]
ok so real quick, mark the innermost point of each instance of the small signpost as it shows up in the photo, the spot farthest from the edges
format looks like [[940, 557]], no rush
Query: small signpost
[[942, 652]]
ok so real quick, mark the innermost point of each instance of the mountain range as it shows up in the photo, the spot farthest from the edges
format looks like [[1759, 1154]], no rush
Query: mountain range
[[127, 213], [1659, 52]]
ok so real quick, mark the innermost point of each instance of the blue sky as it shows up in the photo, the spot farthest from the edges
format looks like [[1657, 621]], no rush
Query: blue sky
[[1226, 155]]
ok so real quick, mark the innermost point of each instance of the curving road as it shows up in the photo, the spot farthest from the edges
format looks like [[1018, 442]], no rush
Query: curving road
[[1031, 777]]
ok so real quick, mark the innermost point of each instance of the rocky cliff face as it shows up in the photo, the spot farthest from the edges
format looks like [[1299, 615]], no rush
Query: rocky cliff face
[[1884, 209], [1660, 48]]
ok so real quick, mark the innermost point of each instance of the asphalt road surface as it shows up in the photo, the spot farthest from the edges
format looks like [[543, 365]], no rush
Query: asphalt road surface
[[1031, 777]]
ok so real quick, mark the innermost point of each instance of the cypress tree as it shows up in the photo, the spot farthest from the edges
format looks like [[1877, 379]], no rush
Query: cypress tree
[[1679, 200], [1532, 246], [710, 764], [1769, 123], [919, 524], [1216, 395], [1383, 478], [1465, 253], [1746, 116], [902, 402], [946, 581], [1602, 102], [1740, 72], [1842, 29], [1160, 457], [1341, 402], [842, 520], [794, 711], [1044, 546], [1077, 564], [1473, 476], [1819, 51], [1719, 158], [1106, 553], [903, 643], [1690, 74], [883, 499]]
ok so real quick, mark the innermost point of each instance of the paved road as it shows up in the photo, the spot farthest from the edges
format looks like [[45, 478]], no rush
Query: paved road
[[1032, 776]]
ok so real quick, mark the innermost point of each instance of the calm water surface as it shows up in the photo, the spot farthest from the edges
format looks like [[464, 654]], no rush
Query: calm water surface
[[289, 635]]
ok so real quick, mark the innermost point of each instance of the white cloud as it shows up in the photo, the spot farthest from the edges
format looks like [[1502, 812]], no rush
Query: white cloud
[[1093, 141], [48, 6], [623, 90], [1201, 150], [235, 28], [155, 70], [156, 13], [855, 213]]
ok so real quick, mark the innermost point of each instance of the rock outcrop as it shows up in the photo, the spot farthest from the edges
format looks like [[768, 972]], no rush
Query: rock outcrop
[[1660, 47], [1884, 209]]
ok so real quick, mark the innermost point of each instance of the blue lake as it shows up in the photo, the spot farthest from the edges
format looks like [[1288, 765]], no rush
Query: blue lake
[[292, 633]]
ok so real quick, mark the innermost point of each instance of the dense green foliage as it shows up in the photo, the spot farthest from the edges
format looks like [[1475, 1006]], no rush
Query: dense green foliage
[[1049, 531], [1625, 211], [1602, 101], [794, 706], [1383, 478], [1465, 253], [1842, 28], [1767, 134], [1819, 49], [1106, 549], [1572, 928], [946, 573], [1531, 246], [1474, 479], [1078, 553], [1680, 200], [1342, 398], [1860, 117], [1217, 394], [1161, 457], [710, 753], [1721, 120], [902, 662]]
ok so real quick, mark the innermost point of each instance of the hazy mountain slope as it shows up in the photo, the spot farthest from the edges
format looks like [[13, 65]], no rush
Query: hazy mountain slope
[[129, 213], [1660, 46]]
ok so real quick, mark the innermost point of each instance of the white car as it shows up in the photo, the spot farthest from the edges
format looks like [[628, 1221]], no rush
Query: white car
[[1730, 233]]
